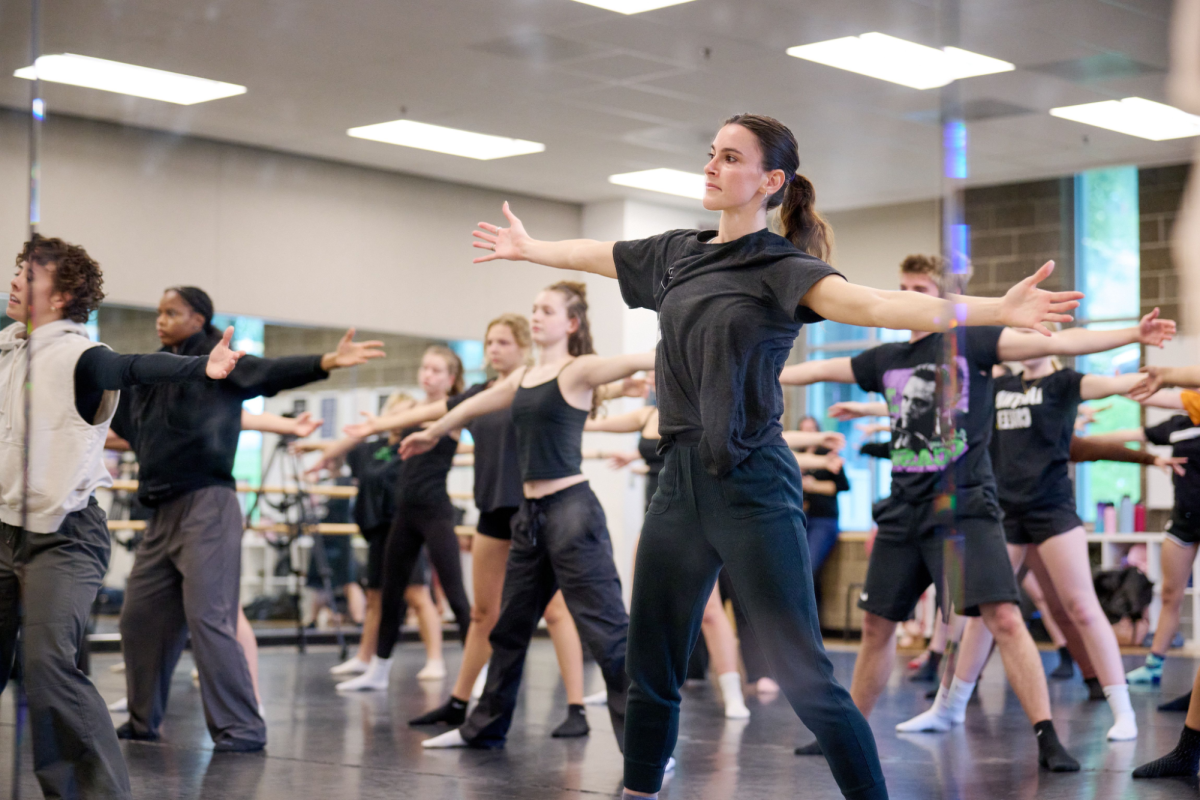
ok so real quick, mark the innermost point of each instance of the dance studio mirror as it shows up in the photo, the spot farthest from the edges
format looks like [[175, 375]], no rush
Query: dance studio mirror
[[304, 171]]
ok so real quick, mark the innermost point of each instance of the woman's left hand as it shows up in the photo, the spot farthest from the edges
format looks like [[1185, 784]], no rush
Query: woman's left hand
[[223, 359]]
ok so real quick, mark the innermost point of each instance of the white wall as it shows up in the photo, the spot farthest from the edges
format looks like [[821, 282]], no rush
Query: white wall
[[272, 235], [870, 243]]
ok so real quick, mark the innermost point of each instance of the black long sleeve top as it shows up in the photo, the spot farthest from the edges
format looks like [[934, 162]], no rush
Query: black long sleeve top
[[186, 434]]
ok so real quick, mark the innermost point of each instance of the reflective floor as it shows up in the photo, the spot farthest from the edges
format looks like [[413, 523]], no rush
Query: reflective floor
[[327, 746]]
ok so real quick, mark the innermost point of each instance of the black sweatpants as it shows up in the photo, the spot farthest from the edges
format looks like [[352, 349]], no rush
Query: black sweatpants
[[75, 749], [750, 520], [414, 527], [186, 579], [559, 542]]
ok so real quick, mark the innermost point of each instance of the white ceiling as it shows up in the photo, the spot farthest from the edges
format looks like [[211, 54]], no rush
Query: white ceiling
[[608, 93]]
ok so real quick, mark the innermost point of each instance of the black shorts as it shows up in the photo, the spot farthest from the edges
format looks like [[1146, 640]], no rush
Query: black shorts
[[1036, 525], [910, 548], [1185, 527], [376, 542], [496, 524]]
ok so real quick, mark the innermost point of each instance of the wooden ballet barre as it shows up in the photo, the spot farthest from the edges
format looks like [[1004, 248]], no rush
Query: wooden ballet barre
[[323, 528], [318, 489]]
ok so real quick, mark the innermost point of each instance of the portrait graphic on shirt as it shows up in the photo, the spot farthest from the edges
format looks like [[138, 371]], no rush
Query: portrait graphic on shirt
[[917, 438]]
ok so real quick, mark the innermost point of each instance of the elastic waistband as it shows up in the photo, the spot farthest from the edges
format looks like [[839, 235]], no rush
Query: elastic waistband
[[561, 494]]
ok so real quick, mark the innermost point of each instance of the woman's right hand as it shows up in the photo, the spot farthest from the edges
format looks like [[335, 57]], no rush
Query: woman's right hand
[[622, 460], [361, 430], [1170, 463], [504, 243]]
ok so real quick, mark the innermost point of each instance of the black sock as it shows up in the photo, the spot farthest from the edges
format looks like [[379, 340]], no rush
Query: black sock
[[810, 749], [1051, 754], [1180, 703], [576, 724], [1066, 665], [453, 713], [929, 670], [1182, 762], [1095, 690]]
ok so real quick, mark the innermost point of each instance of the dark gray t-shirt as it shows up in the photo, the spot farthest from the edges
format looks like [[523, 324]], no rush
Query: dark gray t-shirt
[[497, 474], [728, 314]]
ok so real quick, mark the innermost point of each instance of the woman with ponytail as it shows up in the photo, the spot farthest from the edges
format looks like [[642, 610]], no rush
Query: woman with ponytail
[[731, 303], [559, 534]]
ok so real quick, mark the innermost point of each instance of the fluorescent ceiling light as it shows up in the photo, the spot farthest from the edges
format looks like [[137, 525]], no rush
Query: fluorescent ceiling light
[[878, 55], [667, 181], [422, 136], [1135, 116], [113, 76], [631, 6]]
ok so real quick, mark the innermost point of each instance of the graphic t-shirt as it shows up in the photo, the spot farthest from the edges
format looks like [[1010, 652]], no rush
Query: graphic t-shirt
[[909, 375], [729, 314], [1183, 436], [1032, 443]]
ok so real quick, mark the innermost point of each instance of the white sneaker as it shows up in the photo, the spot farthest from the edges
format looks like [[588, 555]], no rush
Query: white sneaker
[[119, 706], [480, 683], [352, 666], [445, 741], [375, 679], [597, 699], [670, 767], [432, 671], [932, 721], [195, 677]]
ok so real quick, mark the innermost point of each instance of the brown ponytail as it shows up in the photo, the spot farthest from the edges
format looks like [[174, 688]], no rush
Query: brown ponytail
[[580, 342], [801, 223]]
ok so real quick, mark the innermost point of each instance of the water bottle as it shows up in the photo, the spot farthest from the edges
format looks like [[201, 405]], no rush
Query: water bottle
[[1110, 518], [1139, 518], [1100, 518], [1125, 515]]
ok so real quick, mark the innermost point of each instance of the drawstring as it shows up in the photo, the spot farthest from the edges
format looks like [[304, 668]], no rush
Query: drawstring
[[537, 518]]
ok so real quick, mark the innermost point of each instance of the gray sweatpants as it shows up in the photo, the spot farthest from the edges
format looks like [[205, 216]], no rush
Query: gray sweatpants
[[185, 578], [56, 576]]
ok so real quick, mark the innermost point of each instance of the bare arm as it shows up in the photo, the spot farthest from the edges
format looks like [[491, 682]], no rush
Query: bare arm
[[1160, 377], [853, 409], [819, 370], [594, 371], [798, 440], [1018, 345], [499, 396], [633, 422], [514, 244], [114, 442], [1025, 305], [1095, 387], [813, 486], [301, 425], [1165, 398], [1128, 435], [398, 420]]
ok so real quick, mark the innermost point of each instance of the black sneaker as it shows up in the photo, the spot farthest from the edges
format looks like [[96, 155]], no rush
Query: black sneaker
[[126, 731]]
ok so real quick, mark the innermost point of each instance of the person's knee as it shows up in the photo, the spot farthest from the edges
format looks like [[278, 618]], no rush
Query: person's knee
[[1084, 611], [486, 614], [877, 632], [1003, 620], [1172, 593]]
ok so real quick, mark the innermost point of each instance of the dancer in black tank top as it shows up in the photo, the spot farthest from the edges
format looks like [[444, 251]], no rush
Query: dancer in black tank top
[[560, 537], [731, 303], [424, 517], [498, 493]]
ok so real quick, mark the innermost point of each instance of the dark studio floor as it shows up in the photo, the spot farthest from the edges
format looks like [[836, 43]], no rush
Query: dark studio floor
[[325, 746]]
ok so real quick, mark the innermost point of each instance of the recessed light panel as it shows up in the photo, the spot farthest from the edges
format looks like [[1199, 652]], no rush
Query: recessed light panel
[[888, 58], [452, 141], [667, 181], [114, 76], [1134, 116], [632, 6]]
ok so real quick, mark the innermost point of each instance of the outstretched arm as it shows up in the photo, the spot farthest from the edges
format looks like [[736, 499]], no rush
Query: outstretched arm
[[1161, 377], [298, 426], [1127, 435], [853, 409], [818, 370], [1025, 306], [1095, 387], [514, 244], [499, 395], [594, 371], [397, 420], [830, 440], [1018, 345], [632, 422], [1165, 398]]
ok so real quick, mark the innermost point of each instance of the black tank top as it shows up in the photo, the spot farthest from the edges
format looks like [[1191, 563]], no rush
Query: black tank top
[[549, 432], [422, 480], [648, 450]]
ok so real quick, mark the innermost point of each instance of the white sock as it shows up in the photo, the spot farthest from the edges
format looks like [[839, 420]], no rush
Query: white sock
[[731, 691], [480, 682], [1125, 726], [351, 666], [935, 720], [446, 740], [597, 699], [119, 706], [374, 679], [955, 704]]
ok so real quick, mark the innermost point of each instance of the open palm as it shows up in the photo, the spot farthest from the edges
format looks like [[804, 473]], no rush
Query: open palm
[[351, 353], [223, 358], [504, 243], [1027, 306]]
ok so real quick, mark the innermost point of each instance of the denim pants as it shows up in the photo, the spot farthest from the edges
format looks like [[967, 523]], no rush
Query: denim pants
[[750, 520]]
